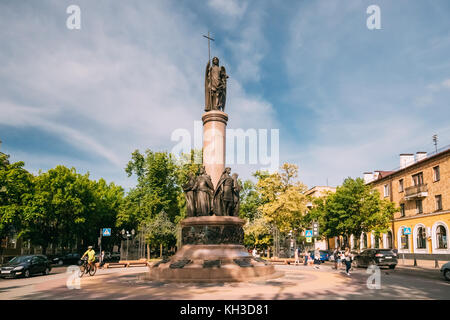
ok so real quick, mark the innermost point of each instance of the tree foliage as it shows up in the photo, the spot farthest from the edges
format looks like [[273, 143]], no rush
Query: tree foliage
[[16, 187], [284, 201], [353, 209], [160, 230], [67, 207]]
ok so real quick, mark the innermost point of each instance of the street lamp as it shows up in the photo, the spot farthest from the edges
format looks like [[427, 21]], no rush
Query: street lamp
[[127, 235]]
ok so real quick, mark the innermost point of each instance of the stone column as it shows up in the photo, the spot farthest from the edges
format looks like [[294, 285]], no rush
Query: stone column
[[214, 134]]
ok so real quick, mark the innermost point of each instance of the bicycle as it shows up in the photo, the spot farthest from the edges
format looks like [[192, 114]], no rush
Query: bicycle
[[86, 268]]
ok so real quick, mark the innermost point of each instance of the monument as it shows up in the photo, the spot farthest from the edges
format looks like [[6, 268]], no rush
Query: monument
[[212, 233]]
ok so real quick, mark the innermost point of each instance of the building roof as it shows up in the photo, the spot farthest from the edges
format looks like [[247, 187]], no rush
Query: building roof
[[319, 189], [385, 174]]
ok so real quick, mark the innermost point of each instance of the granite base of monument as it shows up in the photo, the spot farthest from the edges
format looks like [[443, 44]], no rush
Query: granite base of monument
[[212, 251]]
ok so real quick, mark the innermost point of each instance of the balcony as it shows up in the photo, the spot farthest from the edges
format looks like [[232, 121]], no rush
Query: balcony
[[416, 192]]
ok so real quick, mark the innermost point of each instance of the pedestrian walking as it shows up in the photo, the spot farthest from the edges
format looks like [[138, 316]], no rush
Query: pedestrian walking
[[254, 252], [335, 257], [317, 259], [311, 258], [348, 260], [341, 258], [102, 259], [296, 254], [305, 257]]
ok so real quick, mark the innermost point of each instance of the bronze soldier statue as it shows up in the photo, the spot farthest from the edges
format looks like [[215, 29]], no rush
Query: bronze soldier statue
[[223, 196], [204, 193], [236, 190], [189, 193]]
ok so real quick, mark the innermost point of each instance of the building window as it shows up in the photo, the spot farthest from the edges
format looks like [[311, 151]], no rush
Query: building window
[[436, 174], [405, 241], [364, 243], [419, 208], [377, 241], [402, 210], [389, 239], [386, 190], [441, 237], [400, 185], [418, 179], [438, 202], [421, 238]]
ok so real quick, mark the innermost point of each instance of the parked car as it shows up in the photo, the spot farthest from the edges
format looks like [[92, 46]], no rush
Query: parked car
[[324, 255], [115, 257], [445, 270], [378, 257], [70, 258], [26, 266]]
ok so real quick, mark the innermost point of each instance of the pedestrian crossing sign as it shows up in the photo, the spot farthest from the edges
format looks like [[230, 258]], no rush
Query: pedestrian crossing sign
[[406, 231], [106, 232], [308, 233]]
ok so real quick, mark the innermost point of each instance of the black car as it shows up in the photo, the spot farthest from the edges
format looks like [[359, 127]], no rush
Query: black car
[[70, 258], [378, 257], [26, 266], [115, 256]]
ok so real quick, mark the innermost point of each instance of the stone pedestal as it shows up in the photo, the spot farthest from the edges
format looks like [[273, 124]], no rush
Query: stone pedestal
[[212, 251], [214, 144]]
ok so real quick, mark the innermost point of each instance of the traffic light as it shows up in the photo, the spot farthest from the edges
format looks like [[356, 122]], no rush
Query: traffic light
[[315, 229]]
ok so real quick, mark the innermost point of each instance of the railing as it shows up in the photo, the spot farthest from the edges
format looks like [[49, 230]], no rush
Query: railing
[[416, 190]]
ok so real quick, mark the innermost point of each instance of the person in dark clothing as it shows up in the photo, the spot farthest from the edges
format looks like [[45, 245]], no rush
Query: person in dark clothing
[[347, 260]]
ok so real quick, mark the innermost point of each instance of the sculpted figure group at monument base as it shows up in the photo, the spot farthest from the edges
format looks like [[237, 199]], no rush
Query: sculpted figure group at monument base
[[203, 200]]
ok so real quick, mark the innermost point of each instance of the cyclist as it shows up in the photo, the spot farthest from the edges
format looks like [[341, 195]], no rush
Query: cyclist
[[91, 256]]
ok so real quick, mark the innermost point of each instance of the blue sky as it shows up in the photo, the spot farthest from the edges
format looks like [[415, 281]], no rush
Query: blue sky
[[346, 99]]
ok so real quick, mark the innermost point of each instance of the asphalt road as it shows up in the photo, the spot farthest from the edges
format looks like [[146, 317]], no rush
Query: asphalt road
[[298, 282]]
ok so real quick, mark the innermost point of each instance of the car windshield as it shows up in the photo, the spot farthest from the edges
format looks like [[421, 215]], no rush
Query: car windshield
[[20, 259], [389, 252]]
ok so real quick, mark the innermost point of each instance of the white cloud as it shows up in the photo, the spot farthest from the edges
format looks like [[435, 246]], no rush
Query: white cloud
[[229, 7], [113, 87]]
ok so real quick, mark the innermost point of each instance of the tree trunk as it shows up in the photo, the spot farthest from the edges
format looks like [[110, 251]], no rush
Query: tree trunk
[[148, 252], [160, 250]]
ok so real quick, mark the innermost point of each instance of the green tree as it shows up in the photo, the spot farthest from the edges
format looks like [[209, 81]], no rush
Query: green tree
[[68, 208], [157, 189], [160, 231], [250, 201], [16, 188], [353, 209], [284, 201], [58, 205], [159, 180]]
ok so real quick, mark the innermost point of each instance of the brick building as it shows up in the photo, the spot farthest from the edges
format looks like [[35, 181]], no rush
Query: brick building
[[420, 187]]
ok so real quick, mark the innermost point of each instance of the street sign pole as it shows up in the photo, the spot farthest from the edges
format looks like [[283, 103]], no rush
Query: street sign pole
[[100, 253]]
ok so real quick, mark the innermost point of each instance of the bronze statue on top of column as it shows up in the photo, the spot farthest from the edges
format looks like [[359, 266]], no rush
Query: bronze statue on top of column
[[215, 86]]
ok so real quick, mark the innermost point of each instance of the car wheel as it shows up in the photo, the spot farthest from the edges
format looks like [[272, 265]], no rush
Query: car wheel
[[47, 271], [447, 274], [392, 266], [60, 262], [26, 274]]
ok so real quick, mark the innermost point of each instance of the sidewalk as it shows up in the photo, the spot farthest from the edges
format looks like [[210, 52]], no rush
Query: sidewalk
[[421, 264]]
